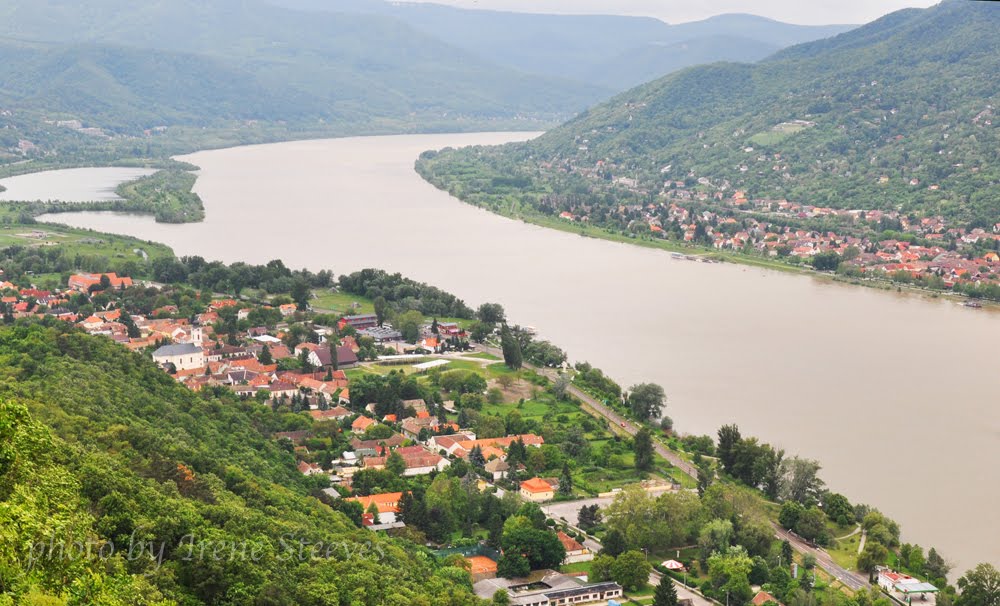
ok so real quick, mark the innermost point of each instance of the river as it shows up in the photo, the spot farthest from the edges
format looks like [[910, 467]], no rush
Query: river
[[70, 184], [894, 394]]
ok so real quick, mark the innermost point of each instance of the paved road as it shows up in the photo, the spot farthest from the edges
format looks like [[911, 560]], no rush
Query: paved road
[[567, 512], [612, 416], [853, 580]]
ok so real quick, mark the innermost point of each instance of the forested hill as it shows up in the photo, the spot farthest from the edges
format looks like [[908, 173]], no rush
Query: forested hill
[[100, 448], [127, 66], [897, 114]]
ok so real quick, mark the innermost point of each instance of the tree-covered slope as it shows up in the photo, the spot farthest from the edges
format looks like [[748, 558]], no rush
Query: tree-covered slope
[[199, 62], [132, 89], [898, 114], [100, 448]]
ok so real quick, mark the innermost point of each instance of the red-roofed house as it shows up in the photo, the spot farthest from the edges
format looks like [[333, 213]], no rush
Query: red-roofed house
[[83, 282], [537, 490], [387, 504], [575, 551], [361, 424]]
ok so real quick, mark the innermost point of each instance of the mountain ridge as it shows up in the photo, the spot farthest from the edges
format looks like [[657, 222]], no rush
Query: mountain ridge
[[898, 98]]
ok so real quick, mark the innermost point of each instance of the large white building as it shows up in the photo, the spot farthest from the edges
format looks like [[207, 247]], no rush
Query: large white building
[[183, 356]]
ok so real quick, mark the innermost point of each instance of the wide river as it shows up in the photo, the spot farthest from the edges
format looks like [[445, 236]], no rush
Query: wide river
[[896, 395]]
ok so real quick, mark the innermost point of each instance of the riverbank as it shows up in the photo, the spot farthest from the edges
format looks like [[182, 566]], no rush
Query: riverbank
[[698, 253], [783, 356]]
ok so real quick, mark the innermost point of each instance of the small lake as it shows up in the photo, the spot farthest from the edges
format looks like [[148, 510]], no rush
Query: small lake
[[895, 395], [70, 185]]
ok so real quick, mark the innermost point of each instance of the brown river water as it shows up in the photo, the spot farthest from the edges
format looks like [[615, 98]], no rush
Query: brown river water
[[895, 394]]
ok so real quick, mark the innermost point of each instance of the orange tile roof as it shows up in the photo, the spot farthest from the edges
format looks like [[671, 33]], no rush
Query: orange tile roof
[[386, 501], [536, 485]]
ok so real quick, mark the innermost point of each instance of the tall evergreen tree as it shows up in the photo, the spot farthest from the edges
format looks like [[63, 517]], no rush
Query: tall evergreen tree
[[666, 593], [512, 355], [265, 357], [642, 445], [565, 480]]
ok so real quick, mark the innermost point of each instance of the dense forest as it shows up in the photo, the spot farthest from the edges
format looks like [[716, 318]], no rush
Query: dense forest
[[895, 115], [102, 451]]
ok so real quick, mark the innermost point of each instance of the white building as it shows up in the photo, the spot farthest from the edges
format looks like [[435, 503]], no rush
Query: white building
[[183, 356]]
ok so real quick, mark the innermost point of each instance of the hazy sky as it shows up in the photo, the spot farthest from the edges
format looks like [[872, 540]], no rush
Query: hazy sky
[[675, 11]]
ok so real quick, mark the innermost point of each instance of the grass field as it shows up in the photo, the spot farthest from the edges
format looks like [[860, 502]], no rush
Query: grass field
[[341, 303]]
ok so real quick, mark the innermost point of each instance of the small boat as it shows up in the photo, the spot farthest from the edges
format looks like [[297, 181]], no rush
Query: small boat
[[973, 304]]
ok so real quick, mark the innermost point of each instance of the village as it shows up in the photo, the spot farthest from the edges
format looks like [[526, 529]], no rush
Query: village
[[929, 250], [356, 448], [433, 437]]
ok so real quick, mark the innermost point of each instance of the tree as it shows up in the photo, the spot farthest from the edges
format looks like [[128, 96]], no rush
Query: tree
[[395, 464], [541, 548], [936, 567], [600, 568], [265, 356], [790, 513], [479, 331], [588, 517], [666, 593], [811, 525], [827, 261], [434, 327], [874, 554], [614, 543], [304, 362], [516, 453], [646, 401], [715, 537], [501, 598], [980, 587], [560, 387], [706, 475], [512, 356], [409, 325], [380, 308], [631, 570], [131, 329], [800, 480], [490, 313], [565, 480], [476, 457], [786, 553], [730, 574], [373, 512], [513, 565], [642, 446], [300, 294], [838, 508], [729, 438]]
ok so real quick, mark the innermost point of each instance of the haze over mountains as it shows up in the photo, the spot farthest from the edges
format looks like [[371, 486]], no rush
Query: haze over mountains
[[897, 114], [127, 66], [610, 51]]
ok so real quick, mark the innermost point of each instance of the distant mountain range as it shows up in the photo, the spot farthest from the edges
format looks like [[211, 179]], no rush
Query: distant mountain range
[[126, 66], [609, 51], [898, 114]]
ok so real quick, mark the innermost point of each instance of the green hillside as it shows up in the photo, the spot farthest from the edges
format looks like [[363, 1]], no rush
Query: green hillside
[[898, 114], [98, 447], [199, 63]]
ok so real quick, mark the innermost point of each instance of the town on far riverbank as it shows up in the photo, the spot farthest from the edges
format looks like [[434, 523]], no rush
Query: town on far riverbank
[[446, 426], [699, 216]]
